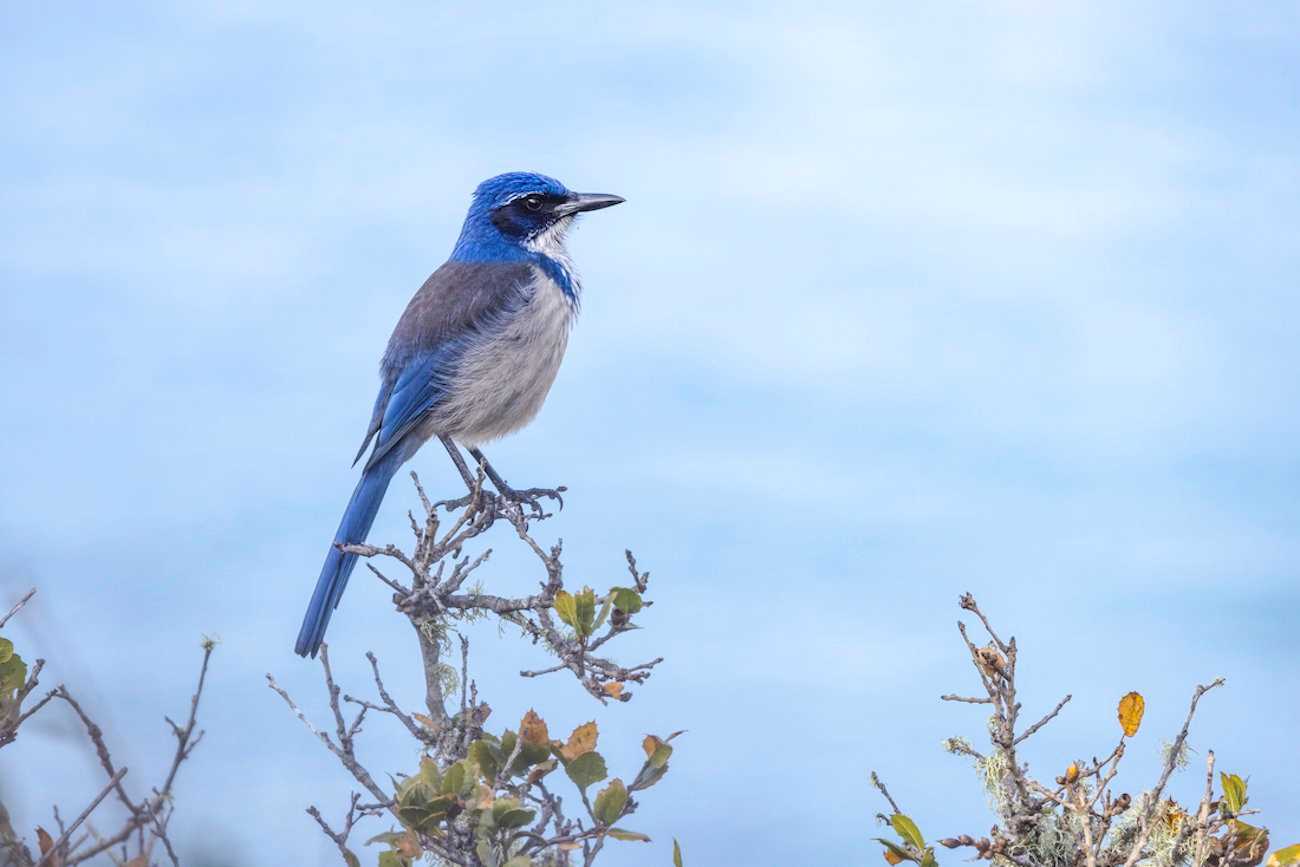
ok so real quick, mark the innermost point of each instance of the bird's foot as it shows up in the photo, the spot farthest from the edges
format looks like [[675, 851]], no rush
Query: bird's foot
[[527, 503], [478, 500], [532, 499]]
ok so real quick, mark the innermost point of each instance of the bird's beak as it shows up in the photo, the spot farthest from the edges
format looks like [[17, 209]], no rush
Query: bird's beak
[[579, 202]]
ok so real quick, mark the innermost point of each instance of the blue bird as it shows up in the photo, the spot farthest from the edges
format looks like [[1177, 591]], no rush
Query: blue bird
[[472, 357]]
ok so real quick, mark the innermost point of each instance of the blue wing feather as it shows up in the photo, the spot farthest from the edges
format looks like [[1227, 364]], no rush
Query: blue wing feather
[[444, 318]]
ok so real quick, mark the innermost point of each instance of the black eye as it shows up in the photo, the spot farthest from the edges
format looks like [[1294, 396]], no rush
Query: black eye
[[533, 203]]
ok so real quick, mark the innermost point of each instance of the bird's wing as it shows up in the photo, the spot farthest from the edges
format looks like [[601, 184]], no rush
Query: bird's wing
[[441, 321]]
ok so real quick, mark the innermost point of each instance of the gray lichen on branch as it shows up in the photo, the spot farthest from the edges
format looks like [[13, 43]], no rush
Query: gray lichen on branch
[[1080, 820]]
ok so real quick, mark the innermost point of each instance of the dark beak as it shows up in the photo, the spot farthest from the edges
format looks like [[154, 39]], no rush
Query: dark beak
[[579, 202]]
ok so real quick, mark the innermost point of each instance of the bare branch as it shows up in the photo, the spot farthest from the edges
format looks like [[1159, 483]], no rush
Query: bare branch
[[85, 814], [18, 606]]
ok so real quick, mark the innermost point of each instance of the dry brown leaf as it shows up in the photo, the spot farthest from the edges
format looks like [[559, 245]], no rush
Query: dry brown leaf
[[44, 840], [581, 741], [991, 661], [568, 846], [137, 861], [613, 689], [408, 845], [892, 857], [426, 721], [1131, 708], [532, 729]]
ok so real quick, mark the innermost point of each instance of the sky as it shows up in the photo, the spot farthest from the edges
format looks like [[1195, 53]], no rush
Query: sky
[[905, 301]]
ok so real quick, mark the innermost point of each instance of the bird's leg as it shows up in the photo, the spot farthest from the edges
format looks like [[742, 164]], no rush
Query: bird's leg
[[459, 461], [531, 496], [476, 492]]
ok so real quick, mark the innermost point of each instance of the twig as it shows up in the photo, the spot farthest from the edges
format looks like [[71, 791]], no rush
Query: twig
[[1170, 761], [17, 606], [876, 781], [85, 814], [1042, 722]]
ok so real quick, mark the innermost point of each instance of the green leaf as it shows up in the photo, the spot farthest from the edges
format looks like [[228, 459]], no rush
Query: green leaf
[[586, 769], [648, 777], [1234, 792], [13, 674], [389, 837], [506, 813], [389, 858], [516, 818], [610, 802], [630, 836], [429, 773], [6, 649], [626, 600], [529, 755], [351, 859], [1287, 857], [585, 604], [929, 859], [657, 751], [677, 854], [518, 861], [907, 829], [454, 779], [604, 613], [419, 808], [488, 758], [566, 608]]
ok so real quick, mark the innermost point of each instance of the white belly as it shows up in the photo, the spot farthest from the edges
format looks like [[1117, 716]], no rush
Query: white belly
[[501, 383]]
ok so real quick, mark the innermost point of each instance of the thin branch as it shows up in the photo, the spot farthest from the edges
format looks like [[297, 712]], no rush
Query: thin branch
[[1044, 721], [1170, 762], [85, 814], [18, 606]]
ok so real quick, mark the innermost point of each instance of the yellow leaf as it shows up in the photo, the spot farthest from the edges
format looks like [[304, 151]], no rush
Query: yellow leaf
[[891, 857], [650, 744], [1287, 857], [532, 729], [613, 689], [581, 741], [1072, 773], [1131, 708]]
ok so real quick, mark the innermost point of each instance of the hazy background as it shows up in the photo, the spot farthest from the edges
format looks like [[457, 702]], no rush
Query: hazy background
[[903, 302]]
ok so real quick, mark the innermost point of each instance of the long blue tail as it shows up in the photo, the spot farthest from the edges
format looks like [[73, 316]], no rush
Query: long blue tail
[[353, 529]]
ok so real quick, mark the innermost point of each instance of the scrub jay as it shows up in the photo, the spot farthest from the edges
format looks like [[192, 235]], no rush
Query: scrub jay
[[471, 359]]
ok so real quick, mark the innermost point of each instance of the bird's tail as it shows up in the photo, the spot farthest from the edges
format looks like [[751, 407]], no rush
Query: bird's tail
[[353, 530]]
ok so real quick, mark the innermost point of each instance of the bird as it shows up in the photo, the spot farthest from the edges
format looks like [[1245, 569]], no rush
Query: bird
[[472, 357]]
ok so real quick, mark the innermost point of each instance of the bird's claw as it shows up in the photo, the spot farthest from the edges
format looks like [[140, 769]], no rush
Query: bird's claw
[[497, 504], [532, 497]]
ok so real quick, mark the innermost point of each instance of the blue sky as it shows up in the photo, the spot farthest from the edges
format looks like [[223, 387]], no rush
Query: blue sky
[[905, 301]]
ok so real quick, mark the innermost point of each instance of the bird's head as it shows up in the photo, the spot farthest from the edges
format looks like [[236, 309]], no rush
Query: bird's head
[[525, 210]]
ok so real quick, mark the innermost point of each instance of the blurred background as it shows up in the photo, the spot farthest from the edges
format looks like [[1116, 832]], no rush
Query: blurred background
[[905, 301]]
